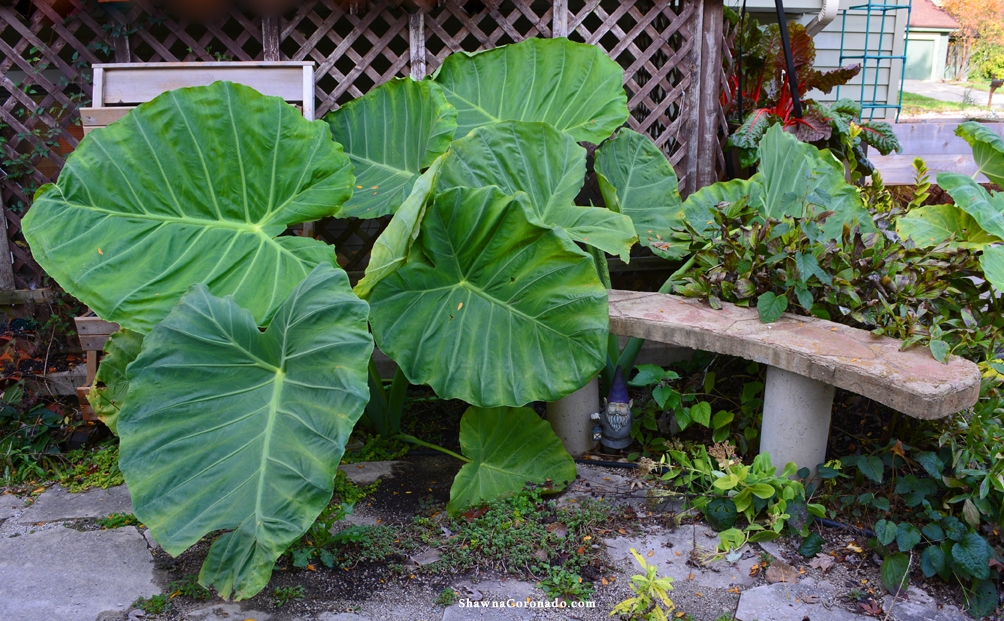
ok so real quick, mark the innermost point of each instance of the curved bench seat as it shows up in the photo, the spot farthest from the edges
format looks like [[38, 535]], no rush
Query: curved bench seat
[[814, 355]]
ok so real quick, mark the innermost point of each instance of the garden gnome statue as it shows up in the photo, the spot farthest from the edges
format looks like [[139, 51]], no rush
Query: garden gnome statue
[[616, 416]]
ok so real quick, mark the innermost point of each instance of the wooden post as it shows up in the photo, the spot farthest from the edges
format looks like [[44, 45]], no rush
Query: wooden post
[[270, 38], [693, 122], [6, 258], [711, 86], [559, 27], [122, 54], [416, 36]]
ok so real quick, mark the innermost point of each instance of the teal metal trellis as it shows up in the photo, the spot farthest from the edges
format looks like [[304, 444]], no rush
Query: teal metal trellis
[[872, 61]]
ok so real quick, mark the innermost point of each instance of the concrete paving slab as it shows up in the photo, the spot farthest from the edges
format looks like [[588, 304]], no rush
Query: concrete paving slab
[[671, 551], [73, 576], [368, 472], [57, 504], [600, 482], [224, 612], [9, 505], [460, 612], [787, 602], [919, 606]]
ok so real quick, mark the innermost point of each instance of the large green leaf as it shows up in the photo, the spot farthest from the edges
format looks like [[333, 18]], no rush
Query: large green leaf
[[490, 307], [988, 149], [573, 87], [194, 186], [986, 208], [549, 167], [108, 392], [391, 249], [229, 428], [931, 225], [699, 208], [508, 448], [972, 555], [800, 180], [637, 180], [391, 134], [992, 262]]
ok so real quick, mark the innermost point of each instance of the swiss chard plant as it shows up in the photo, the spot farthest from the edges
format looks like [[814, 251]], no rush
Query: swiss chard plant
[[767, 100]]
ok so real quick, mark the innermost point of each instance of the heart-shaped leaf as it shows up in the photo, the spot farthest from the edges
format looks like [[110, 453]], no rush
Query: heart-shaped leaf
[[637, 180], [771, 306], [931, 225], [108, 392], [550, 168], [574, 87], [992, 262], [391, 135], [932, 561], [985, 208], [895, 572], [194, 186], [508, 448], [490, 307], [972, 555], [799, 180], [229, 428], [988, 149]]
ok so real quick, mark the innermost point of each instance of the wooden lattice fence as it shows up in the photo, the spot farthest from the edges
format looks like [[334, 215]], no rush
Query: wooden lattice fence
[[671, 51]]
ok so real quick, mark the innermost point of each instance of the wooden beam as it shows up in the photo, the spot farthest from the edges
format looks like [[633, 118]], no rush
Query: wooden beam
[[559, 23], [711, 84], [25, 296], [270, 38], [6, 258], [416, 39], [692, 124]]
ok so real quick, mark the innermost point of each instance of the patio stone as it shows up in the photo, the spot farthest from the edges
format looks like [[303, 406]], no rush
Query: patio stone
[[671, 552], [9, 505], [57, 504], [788, 602], [368, 472], [70, 575], [225, 612]]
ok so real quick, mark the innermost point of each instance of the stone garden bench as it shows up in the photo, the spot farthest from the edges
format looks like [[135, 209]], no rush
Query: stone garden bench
[[806, 358]]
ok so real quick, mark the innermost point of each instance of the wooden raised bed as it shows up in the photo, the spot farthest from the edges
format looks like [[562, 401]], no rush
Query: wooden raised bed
[[93, 332]]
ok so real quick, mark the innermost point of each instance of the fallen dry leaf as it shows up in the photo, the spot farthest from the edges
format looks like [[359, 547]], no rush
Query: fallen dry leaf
[[822, 562], [782, 572], [811, 599]]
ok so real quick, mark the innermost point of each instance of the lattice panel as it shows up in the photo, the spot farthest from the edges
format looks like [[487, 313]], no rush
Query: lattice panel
[[471, 26], [653, 41], [44, 76], [155, 37], [354, 51], [45, 58]]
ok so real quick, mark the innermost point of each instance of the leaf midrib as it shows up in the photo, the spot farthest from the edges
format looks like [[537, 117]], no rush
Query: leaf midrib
[[201, 222]]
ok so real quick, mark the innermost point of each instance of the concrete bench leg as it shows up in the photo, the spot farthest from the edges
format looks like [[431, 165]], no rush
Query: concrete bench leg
[[796, 419], [569, 418]]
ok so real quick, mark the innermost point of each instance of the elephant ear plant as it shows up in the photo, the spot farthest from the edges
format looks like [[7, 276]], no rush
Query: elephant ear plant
[[516, 137], [168, 223], [242, 365]]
